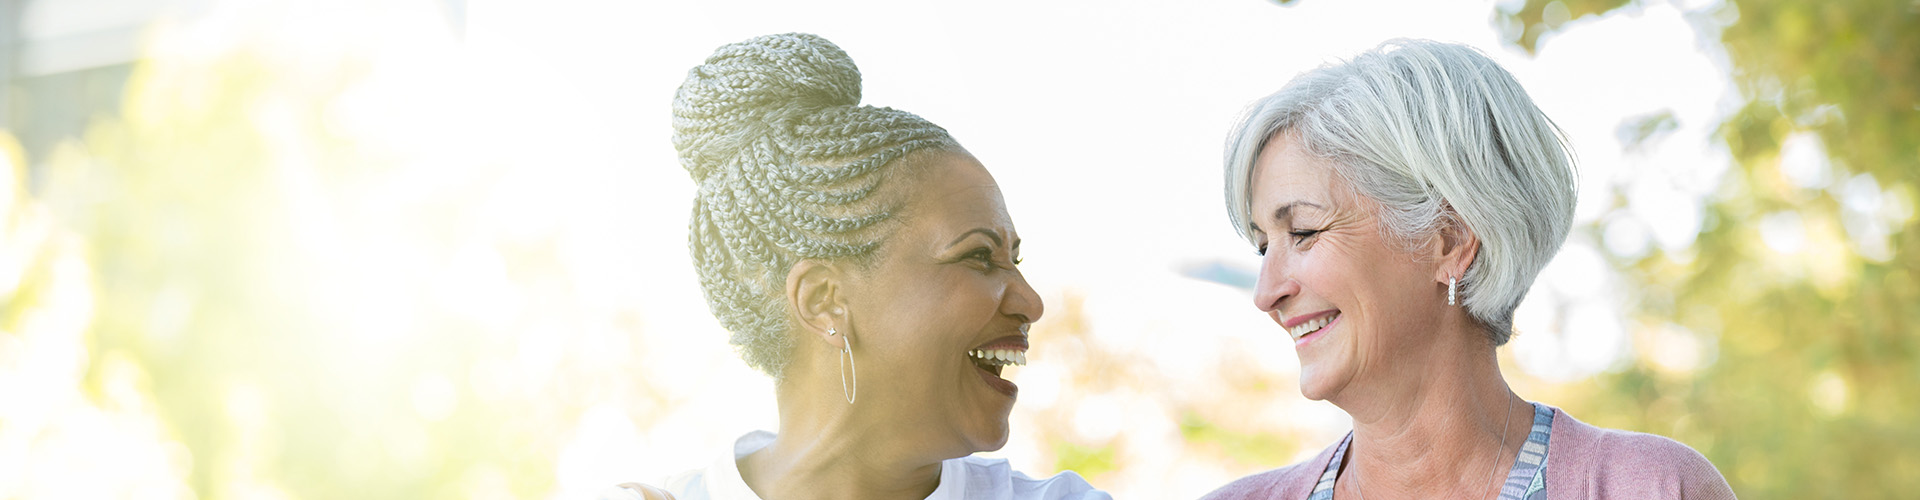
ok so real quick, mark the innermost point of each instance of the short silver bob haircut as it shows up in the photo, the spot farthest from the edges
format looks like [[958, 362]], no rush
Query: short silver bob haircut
[[1429, 133]]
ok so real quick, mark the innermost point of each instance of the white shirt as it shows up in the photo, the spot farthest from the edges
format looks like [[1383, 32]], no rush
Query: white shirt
[[960, 478]]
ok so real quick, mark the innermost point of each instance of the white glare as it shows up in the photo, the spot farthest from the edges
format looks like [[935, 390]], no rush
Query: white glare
[[1803, 160], [1783, 232]]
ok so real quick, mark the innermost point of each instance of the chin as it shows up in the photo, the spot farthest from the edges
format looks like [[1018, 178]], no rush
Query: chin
[[991, 439], [1318, 385], [1310, 392], [996, 445]]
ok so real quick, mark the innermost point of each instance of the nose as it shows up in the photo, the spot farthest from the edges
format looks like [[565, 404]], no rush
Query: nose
[[1275, 283], [1021, 301]]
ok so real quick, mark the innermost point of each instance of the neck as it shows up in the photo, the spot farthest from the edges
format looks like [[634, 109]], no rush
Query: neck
[[827, 448], [1444, 425]]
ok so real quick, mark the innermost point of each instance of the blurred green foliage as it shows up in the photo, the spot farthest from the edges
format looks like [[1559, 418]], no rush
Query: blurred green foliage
[[1249, 448], [1088, 461], [1813, 391], [193, 206], [279, 294]]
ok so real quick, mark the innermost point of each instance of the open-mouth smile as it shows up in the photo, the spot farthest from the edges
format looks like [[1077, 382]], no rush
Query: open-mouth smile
[[992, 358]]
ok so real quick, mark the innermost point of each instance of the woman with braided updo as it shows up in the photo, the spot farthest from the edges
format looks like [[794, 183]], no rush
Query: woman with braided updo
[[866, 262]]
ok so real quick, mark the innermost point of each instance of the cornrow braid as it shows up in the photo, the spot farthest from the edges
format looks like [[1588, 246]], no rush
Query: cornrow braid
[[786, 159]]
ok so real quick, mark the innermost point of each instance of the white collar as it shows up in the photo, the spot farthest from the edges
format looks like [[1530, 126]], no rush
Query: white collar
[[724, 482]]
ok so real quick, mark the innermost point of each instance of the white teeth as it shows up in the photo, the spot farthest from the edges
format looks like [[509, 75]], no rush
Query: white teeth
[[1001, 356], [1313, 325]]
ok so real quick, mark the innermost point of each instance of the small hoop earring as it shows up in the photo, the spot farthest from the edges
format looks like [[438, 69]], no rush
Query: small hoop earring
[[1451, 286], [846, 347]]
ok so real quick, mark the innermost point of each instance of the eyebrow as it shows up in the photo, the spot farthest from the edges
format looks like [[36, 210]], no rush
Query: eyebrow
[[990, 234], [1285, 212]]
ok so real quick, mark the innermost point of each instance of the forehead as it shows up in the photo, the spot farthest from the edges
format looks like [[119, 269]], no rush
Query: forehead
[[1286, 172], [953, 189]]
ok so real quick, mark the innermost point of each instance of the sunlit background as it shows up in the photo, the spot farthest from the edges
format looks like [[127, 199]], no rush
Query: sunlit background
[[436, 249]]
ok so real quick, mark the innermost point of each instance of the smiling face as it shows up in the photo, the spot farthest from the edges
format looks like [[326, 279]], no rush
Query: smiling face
[[941, 296], [1352, 300]]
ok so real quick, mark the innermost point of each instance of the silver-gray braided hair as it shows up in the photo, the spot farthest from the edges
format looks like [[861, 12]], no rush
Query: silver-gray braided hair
[[772, 131]]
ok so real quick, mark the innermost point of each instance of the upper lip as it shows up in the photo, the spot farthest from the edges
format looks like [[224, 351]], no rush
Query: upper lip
[[1015, 342], [1297, 320]]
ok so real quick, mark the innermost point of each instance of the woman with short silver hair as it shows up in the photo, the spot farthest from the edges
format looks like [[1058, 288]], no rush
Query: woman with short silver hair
[[1402, 203], [865, 261]]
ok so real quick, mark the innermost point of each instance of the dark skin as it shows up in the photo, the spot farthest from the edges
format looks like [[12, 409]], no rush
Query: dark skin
[[1418, 376], [943, 282]]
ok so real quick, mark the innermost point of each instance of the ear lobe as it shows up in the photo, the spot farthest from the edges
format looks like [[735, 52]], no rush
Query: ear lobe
[[815, 290]]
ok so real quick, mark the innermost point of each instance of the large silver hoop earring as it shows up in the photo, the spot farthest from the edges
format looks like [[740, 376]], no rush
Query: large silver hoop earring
[[846, 348], [1452, 285]]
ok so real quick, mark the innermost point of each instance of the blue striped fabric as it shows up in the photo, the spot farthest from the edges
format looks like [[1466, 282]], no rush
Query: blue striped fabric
[[1526, 480], [1324, 489]]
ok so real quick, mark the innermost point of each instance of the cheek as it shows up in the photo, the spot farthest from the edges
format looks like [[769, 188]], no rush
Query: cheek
[[937, 313], [1327, 273], [962, 301], [1389, 286]]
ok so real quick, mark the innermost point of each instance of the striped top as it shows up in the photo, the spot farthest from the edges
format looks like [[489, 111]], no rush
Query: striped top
[[1588, 462], [1526, 480]]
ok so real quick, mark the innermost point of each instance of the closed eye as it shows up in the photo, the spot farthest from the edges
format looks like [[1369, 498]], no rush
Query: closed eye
[[983, 257], [1301, 235]]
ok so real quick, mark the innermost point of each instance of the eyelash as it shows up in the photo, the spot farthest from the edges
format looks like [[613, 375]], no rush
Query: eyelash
[[1299, 236], [986, 256]]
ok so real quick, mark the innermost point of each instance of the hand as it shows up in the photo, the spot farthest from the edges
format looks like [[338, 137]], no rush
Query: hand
[[648, 492]]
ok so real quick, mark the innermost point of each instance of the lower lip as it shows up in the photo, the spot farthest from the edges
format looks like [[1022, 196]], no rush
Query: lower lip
[[999, 384], [1302, 341]]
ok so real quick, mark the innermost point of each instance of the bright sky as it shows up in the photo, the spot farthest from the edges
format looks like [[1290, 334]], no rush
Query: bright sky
[[1103, 122]]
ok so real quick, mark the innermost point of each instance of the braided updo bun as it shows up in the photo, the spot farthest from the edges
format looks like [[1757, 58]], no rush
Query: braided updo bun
[[786, 158]]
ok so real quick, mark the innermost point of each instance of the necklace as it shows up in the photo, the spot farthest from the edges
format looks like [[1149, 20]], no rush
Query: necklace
[[1496, 456]]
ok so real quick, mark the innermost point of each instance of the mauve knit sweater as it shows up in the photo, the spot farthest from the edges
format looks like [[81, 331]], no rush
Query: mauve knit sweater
[[1583, 462]]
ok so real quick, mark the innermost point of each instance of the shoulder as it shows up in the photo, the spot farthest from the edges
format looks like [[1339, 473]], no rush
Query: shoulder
[[1611, 462], [619, 493], [718, 480], [687, 485], [635, 491], [999, 480], [1290, 482]]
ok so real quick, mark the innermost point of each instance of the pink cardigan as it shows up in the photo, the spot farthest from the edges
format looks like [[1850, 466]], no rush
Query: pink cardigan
[[1583, 461]]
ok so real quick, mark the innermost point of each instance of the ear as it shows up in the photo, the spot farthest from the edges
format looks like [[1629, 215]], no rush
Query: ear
[[815, 288], [1454, 248]]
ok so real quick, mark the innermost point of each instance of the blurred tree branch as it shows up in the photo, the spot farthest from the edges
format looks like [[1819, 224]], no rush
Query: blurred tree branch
[[1811, 394]]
